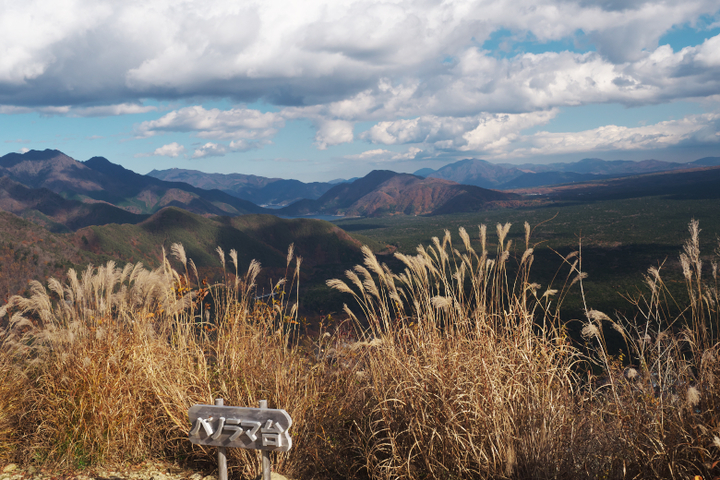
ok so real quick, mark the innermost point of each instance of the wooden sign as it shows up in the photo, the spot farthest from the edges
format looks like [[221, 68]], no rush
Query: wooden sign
[[251, 428]]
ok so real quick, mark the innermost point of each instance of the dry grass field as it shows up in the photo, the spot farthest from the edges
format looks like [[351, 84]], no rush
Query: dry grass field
[[449, 368]]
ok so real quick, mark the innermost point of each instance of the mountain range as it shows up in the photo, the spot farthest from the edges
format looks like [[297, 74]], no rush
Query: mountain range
[[480, 173], [105, 211], [62, 193], [484, 174], [99, 180], [383, 192], [259, 190], [31, 252]]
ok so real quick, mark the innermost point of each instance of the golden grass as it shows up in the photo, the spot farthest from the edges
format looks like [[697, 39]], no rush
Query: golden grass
[[451, 368]]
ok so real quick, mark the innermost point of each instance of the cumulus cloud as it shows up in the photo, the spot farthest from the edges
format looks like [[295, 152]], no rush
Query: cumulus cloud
[[170, 150], [210, 150], [693, 130], [77, 52], [216, 124], [418, 70], [500, 136], [112, 110], [44, 110], [333, 132], [496, 132], [71, 111], [425, 129], [380, 155], [482, 133]]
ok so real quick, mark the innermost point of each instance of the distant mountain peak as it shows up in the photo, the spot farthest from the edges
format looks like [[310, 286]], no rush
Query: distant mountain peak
[[384, 192], [12, 159], [100, 180]]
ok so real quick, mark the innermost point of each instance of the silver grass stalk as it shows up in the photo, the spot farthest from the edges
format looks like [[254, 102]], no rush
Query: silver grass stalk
[[178, 251], [291, 251], [466, 240], [590, 330], [355, 280], [372, 262], [194, 270], [528, 253], [527, 235], [252, 272], [221, 254], [339, 285], [598, 316], [483, 238], [502, 231], [693, 396], [234, 258], [440, 302]]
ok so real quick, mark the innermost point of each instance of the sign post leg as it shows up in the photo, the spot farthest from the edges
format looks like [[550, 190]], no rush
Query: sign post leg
[[265, 454], [222, 458]]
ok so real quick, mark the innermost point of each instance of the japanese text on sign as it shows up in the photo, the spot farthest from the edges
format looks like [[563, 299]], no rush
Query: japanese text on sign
[[252, 428]]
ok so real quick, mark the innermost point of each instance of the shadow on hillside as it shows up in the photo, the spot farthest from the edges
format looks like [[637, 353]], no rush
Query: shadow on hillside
[[354, 227]]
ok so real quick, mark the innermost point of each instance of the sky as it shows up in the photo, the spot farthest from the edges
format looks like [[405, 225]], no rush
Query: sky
[[317, 90]]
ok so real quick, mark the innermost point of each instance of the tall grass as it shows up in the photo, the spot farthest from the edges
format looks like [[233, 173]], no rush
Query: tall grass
[[103, 367], [659, 408], [473, 376], [453, 367]]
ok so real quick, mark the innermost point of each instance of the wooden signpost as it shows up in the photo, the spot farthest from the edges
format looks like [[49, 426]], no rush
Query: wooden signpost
[[252, 428]]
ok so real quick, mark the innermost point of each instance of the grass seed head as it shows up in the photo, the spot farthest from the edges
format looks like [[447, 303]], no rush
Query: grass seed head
[[693, 396]]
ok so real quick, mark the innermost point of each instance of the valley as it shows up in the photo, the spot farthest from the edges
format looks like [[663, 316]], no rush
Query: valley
[[95, 211]]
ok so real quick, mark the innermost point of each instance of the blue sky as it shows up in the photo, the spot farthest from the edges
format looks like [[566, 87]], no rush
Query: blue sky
[[321, 90]]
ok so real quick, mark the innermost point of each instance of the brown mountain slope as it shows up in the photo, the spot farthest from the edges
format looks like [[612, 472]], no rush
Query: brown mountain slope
[[50, 169], [259, 190], [477, 172], [99, 180], [30, 252], [698, 183], [56, 213], [389, 193]]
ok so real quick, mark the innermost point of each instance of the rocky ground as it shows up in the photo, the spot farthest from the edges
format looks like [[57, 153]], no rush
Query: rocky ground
[[145, 471]]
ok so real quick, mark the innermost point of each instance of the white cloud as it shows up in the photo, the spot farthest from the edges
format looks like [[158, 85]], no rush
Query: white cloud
[[380, 155], [210, 150], [499, 136], [527, 83], [333, 132], [70, 111], [173, 149], [486, 132], [112, 110], [216, 124], [498, 131], [244, 145], [313, 52], [44, 110], [425, 129], [692, 130], [371, 154], [30, 30], [24, 150], [417, 69]]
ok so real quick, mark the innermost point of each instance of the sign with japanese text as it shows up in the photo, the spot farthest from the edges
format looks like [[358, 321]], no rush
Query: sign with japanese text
[[252, 428]]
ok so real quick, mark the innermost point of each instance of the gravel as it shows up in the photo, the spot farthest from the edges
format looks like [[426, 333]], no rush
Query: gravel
[[144, 471]]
